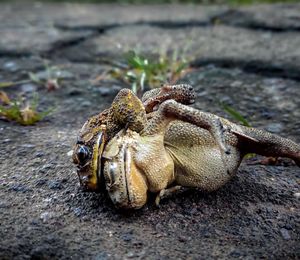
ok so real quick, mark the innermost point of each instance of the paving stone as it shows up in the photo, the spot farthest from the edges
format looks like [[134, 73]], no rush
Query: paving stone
[[33, 39], [90, 15], [46, 215], [217, 42], [263, 17]]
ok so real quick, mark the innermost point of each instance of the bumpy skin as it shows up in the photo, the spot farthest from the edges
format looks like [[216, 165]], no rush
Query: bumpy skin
[[182, 146], [127, 111], [182, 93]]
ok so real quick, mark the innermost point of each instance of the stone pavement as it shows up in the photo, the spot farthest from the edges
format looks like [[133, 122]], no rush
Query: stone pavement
[[247, 57]]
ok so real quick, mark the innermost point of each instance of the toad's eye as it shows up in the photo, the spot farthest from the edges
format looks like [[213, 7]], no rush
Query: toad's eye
[[82, 154]]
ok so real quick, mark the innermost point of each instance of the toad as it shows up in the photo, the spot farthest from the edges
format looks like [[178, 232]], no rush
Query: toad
[[160, 144]]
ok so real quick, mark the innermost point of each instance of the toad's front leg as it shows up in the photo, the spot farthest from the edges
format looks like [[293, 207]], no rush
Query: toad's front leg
[[182, 93], [166, 193]]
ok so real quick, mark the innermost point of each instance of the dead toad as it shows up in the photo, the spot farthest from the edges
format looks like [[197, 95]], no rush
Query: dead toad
[[126, 111], [165, 149], [180, 146]]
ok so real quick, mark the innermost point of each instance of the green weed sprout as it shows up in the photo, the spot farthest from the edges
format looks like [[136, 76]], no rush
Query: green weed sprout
[[24, 114], [140, 71]]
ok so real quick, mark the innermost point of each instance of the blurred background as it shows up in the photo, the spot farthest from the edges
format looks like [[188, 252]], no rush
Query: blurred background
[[165, 1]]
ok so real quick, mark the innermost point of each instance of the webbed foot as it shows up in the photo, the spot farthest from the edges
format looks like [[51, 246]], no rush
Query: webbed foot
[[165, 193], [182, 93]]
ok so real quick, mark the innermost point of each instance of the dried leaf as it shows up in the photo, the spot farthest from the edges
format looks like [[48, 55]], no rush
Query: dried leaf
[[4, 98], [29, 116], [24, 116], [52, 84]]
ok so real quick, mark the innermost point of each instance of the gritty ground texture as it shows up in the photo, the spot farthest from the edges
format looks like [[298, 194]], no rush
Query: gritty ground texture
[[248, 58]]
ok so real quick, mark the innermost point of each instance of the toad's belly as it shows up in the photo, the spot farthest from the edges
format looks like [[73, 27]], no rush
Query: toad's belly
[[197, 158]]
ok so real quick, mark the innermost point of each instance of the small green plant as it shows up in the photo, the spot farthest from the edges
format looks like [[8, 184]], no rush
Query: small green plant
[[140, 71], [235, 115], [24, 113]]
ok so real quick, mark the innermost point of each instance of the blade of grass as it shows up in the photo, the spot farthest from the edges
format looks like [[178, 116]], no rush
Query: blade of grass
[[11, 83], [235, 114], [34, 78]]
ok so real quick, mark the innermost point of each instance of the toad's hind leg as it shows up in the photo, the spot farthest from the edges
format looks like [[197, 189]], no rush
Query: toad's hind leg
[[264, 143], [170, 110]]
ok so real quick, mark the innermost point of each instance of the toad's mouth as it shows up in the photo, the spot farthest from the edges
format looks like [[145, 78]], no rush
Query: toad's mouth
[[96, 159], [90, 174], [125, 182], [117, 174]]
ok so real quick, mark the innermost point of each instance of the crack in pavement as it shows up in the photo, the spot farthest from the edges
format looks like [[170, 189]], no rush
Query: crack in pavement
[[63, 44], [242, 19], [247, 23], [102, 29], [258, 67], [251, 66], [14, 54], [232, 18]]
